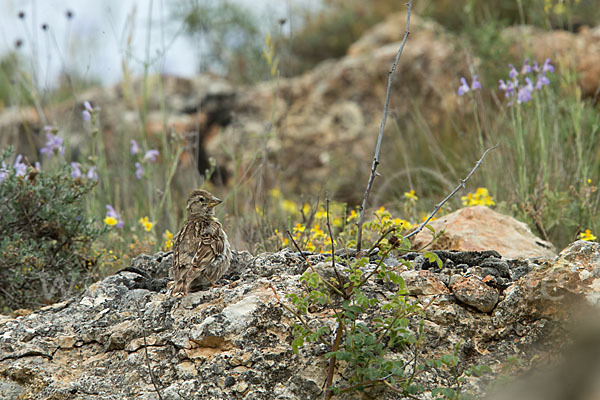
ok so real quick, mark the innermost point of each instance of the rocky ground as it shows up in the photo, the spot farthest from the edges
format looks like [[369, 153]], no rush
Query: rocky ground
[[234, 341]]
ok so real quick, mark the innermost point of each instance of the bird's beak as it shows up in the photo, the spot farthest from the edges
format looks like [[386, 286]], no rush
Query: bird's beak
[[215, 201]]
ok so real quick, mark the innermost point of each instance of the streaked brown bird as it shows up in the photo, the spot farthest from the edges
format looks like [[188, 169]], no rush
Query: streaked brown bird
[[201, 251]]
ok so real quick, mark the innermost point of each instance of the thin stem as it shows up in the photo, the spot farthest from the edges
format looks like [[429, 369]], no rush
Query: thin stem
[[327, 283], [460, 186], [337, 274], [363, 206]]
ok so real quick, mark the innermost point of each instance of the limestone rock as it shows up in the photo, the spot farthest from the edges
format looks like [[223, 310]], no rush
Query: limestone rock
[[475, 293], [479, 228], [234, 341]]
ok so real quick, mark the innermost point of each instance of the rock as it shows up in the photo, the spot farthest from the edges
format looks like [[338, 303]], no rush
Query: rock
[[479, 228], [234, 341], [579, 50], [475, 293], [572, 281], [423, 283]]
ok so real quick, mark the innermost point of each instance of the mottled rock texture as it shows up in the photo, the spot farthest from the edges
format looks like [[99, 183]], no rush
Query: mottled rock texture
[[233, 341]]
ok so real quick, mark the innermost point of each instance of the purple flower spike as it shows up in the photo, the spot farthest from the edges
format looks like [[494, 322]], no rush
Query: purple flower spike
[[541, 82], [87, 113], [464, 87], [92, 174], [475, 84], [76, 173], [3, 172], [526, 67], [21, 167], [524, 94], [547, 66], [139, 170], [54, 145], [134, 149], [513, 72], [151, 155]]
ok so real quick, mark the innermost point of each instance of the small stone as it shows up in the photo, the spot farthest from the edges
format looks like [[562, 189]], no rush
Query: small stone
[[423, 283], [229, 381], [473, 292]]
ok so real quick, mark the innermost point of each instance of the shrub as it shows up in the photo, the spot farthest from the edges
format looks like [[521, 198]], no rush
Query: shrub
[[46, 237]]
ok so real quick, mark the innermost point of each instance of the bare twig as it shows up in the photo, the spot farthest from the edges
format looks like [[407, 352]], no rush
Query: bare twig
[[296, 314], [456, 189], [363, 206], [337, 274], [332, 360], [327, 283]]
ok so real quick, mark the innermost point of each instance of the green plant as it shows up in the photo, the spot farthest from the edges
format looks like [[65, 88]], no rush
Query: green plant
[[45, 250], [459, 375]]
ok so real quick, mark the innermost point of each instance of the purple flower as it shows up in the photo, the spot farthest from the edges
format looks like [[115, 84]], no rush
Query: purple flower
[[547, 66], [92, 174], [54, 145], [507, 87], [139, 170], [134, 147], [111, 213], [535, 67], [464, 87], [76, 173], [513, 72], [475, 84], [526, 67], [3, 172], [524, 94], [20, 167], [37, 165], [87, 113], [541, 81], [151, 155]]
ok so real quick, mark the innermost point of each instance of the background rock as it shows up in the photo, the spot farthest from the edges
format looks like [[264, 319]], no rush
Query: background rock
[[479, 228]]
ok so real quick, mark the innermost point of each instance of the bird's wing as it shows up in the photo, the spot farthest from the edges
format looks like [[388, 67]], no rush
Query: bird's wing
[[178, 269], [211, 243]]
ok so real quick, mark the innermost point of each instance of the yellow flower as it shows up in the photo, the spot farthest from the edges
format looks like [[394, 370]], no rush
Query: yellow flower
[[299, 228], [337, 222], [481, 197], [259, 211], [310, 246], [411, 195], [353, 215], [110, 221], [404, 223], [168, 236], [587, 235], [305, 208], [289, 206], [275, 193], [321, 214], [146, 224]]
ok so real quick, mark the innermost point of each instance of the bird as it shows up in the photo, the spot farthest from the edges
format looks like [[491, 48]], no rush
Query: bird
[[201, 250]]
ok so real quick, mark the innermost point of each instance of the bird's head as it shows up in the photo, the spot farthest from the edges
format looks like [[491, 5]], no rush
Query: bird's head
[[200, 204]]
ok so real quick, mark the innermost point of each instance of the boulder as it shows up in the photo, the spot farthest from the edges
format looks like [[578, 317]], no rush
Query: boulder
[[480, 228]]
